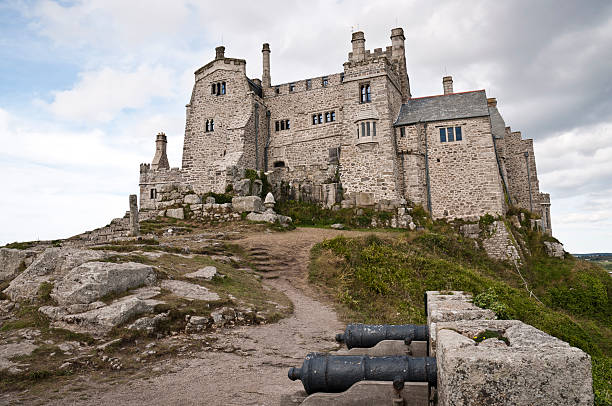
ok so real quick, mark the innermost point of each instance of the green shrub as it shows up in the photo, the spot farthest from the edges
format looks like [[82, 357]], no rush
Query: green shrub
[[489, 300]]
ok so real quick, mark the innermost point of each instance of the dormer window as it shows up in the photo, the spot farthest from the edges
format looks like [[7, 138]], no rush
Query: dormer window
[[365, 94]]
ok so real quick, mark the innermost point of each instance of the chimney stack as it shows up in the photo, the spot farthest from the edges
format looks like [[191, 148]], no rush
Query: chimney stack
[[492, 102], [160, 160], [265, 77], [447, 84], [358, 41], [220, 52]]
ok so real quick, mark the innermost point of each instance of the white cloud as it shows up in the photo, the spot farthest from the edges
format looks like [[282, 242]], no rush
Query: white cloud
[[100, 95]]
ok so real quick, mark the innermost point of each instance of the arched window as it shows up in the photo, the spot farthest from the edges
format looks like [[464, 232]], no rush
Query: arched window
[[365, 95]]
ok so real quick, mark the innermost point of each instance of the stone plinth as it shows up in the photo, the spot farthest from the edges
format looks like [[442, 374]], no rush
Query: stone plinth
[[533, 368]]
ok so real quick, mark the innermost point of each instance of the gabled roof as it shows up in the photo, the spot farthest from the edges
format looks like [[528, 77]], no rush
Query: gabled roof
[[443, 107]]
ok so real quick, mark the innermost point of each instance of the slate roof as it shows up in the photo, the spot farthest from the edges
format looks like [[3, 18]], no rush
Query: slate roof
[[443, 107]]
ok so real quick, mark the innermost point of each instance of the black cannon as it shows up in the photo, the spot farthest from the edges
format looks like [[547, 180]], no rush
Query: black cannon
[[368, 335], [337, 373]]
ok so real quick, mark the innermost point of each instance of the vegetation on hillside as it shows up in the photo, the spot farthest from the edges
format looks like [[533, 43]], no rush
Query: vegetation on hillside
[[383, 280]]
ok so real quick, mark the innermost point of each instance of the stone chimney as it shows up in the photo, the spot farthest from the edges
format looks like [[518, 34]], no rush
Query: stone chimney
[[266, 80], [358, 42], [160, 160], [447, 84], [220, 52], [398, 54], [492, 102]]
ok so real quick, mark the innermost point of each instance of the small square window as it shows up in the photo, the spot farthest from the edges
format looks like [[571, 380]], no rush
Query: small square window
[[314, 119], [442, 134], [325, 81], [308, 84], [458, 134], [276, 90], [282, 123], [327, 117], [291, 87], [287, 124], [320, 118], [277, 126], [450, 134], [333, 116], [402, 132]]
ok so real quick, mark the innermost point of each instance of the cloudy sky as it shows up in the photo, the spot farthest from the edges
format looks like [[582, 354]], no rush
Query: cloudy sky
[[86, 85]]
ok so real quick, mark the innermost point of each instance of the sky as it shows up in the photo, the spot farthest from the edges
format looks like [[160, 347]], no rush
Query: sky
[[86, 85]]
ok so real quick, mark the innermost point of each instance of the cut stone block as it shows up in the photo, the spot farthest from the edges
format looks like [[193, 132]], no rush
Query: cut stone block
[[247, 203], [176, 213], [534, 368]]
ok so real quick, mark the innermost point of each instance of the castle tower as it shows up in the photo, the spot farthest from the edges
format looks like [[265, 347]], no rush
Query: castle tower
[[398, 55], [358, 42], [265, 77], [160, 160]]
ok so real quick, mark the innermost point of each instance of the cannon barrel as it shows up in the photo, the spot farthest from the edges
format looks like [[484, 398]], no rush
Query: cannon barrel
[[368, 335], [337, 373]]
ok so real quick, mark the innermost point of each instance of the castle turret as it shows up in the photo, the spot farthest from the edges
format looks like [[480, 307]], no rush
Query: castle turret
[[160, 160], [447, 84], [358, 42], [265, 77], [398, 55]]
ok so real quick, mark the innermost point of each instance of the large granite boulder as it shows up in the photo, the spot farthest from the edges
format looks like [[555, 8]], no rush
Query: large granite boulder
[[247, 203], [189, 291], [176, 213], [92, 280], [12, 262], [50, 266]]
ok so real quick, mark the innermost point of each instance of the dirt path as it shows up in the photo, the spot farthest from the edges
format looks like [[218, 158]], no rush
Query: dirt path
[[253, 371]]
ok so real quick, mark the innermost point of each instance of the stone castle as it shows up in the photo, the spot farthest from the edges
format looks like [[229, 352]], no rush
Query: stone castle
[[355, 138]]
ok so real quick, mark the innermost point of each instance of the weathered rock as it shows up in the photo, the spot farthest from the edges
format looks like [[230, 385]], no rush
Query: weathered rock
[[102, 320], [269, 217], [257, 187], [9, 351], [189, 291], [176, 213], [534, 369], [337, 226], [13, 261], [92, 280], [148, 324], [242, 187], [223, 316], [554, 249], [50, 266], [208, 272], [247, 203], [192, 199]]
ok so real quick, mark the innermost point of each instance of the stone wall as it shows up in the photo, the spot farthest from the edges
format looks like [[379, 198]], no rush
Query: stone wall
[[499, 244], [464, 177], [152, 181]]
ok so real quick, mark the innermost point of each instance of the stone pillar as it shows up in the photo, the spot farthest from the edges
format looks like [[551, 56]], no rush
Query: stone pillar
[[134, 225], [447, 84], [358, 42], [266, 79], [160, 160]]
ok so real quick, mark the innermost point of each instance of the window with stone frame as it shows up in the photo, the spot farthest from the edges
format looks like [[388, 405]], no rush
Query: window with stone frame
[[365, 93], [402, 132], [308, 84], [368, 129], [153, 194], [218, 88], [451, 134], [291, 87], [282, 125], [325, 81]]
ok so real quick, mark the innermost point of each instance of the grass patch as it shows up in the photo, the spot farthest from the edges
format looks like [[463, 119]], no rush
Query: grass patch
[[22, 245], [383, 280]]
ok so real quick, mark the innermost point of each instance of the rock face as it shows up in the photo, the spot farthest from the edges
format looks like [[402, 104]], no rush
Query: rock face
[[470, 230], [208, 272], [189, 291], [93, 280], [12, 260], [554, 249], [247, 203], [533, 369], [50, 266]]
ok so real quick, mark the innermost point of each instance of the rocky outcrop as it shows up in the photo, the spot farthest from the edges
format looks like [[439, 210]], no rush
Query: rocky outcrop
[[13, 261], [208, 272], [50, 266], [93, 280], [554, 249], [189, 291]]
